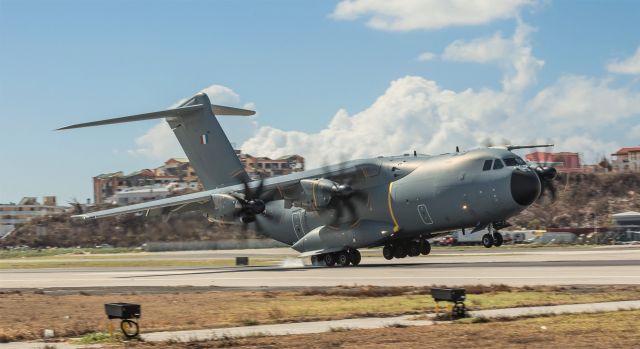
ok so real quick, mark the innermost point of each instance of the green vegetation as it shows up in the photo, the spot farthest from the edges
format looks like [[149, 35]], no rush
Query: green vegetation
[[131, 263], [97, 337], [7, 254]]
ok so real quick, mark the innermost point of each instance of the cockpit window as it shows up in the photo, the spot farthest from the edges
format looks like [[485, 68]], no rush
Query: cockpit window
[[497, 164], [515, 161], [487, 165]]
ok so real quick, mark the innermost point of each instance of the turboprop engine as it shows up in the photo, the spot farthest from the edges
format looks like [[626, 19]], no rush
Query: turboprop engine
[[316, 194], [223, 208]]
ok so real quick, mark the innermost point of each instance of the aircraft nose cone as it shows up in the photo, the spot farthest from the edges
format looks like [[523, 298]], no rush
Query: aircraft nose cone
[[525, 187]]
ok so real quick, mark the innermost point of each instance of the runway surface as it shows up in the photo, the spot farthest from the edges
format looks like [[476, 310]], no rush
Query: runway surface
[[516, 267]]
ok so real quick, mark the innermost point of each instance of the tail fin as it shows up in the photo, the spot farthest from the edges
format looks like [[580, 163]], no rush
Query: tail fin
[[201, 137]]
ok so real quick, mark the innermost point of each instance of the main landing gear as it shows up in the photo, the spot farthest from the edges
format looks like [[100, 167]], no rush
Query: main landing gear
[[402, 249], [492, 238], [342, 258]]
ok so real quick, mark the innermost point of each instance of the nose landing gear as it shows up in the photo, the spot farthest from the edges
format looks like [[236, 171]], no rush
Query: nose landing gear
[[492, 238]]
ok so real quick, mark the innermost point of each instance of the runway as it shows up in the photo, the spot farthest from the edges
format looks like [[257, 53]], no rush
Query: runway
[[515, 267]]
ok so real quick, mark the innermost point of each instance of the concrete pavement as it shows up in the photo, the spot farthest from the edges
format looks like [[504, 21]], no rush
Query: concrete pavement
[[515, 267]]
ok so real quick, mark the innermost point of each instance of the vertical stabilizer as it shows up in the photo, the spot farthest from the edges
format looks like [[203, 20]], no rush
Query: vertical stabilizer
[[206, 145]]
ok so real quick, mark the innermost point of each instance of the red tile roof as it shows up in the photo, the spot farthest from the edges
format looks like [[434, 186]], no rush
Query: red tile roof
[[625, 151]]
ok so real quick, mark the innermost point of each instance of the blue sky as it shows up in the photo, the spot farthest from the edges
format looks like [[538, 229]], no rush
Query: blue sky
[[320, 79]]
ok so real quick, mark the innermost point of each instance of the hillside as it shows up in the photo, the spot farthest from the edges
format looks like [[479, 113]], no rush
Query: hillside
[[124, 231], [579, 197]]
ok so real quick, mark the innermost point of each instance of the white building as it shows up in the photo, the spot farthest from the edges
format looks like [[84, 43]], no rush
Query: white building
[[136, 195], [27, 209], [626, 159]]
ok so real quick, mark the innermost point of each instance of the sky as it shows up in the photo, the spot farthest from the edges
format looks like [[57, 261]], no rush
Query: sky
[[330, 80]]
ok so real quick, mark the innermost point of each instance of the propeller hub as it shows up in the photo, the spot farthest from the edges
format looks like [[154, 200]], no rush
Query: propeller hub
[[256, 206], [343, 190]]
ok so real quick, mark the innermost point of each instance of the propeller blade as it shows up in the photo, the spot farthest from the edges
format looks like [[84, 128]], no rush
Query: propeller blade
[[352, 210], [258, 192]]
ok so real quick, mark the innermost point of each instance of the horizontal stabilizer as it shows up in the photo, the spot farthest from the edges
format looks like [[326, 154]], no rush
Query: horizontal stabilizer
[[217, 110]]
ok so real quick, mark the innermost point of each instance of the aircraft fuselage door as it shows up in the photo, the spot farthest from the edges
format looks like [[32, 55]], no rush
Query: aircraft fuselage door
[[424, 214], [296, 219]]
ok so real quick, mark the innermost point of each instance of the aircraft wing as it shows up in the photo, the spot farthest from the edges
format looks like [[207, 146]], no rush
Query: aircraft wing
[[175, 204], [191, 202]]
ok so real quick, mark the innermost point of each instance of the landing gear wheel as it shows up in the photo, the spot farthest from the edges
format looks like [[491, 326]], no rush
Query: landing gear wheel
[[329, 260], [129, 328], [497, 239], [425, 247], [414, 249], [487, 240], [387, 252], [343, 259], [354, 256], [399, 251]]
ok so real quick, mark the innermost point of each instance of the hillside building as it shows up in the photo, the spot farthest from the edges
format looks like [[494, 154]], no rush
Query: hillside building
[[563, 161], [626, 159], [177, 176], [27, 209]]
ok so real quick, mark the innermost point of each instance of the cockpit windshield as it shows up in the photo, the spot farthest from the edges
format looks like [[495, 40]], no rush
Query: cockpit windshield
[[515, 161]]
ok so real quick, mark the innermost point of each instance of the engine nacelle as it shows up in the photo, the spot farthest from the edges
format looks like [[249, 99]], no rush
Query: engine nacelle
[[316, 194], [223, 208]]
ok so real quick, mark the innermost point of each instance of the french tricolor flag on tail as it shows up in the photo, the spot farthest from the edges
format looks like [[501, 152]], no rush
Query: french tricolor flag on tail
[[204, 139]]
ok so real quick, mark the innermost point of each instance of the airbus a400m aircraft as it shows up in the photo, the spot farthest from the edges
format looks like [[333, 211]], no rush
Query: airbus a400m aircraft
[[329, 213]]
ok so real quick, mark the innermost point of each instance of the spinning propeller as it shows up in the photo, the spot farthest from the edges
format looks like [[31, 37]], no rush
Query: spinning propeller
[[546, 175], [344, 197], [252, 203]]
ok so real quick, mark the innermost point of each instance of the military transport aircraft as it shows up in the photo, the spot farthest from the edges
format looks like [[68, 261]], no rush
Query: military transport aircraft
[[328, 213]]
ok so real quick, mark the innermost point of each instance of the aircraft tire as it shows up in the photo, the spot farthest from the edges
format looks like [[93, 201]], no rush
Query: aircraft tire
[[343, 259], [497, 239], [413, 249], [329, 259], [355, 257], [387, 252], [425, 247], [399, 251], [487, 240]]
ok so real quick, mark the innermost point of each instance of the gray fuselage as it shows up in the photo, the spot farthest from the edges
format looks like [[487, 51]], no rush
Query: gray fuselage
[[408, 197]]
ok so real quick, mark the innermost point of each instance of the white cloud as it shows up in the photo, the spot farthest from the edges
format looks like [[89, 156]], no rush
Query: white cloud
[[578, 102], [634, 134], [159, 142], [415, 113], [513, 54], [404, 15], [481, 50], [426, 56], [630, 65]]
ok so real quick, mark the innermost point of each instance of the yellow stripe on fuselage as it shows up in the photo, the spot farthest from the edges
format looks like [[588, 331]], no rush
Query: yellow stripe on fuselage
[[396, 227]]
